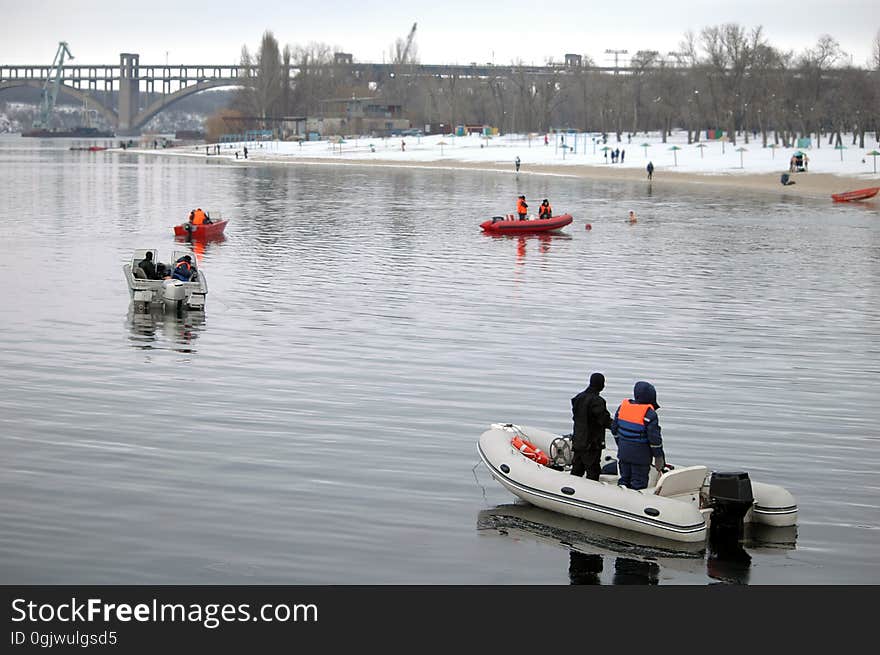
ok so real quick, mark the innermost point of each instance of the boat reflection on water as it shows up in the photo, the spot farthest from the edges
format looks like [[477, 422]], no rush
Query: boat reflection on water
[[201, 246], [159, 330], [525, 242], [638, 558]]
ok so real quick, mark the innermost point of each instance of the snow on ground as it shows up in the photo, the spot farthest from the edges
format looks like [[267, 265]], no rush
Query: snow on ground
[[716, 157]]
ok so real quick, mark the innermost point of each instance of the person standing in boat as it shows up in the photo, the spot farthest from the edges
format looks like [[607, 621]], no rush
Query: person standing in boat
[[545, 210], [591, 419], [636, 429], [522, 208]]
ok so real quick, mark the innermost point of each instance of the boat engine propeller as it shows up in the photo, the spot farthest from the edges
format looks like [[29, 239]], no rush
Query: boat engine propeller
[[730, 496], [560, 452]]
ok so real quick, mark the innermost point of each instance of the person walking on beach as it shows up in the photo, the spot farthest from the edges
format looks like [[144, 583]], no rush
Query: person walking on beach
[[402, 145], [622, 155], [245, 152], [591, 419], [516, 163], [650, 170]]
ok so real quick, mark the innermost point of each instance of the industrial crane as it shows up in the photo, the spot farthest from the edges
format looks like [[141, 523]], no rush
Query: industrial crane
[[409, 40], [50, 87]]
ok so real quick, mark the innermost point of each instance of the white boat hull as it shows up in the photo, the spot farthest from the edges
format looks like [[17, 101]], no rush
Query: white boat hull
[[678, 513]]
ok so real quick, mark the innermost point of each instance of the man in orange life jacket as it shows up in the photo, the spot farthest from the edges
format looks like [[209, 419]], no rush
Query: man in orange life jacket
[[183, 268], [198, 217], [591, 418], [636, 429], [522, 209], [545, 210]]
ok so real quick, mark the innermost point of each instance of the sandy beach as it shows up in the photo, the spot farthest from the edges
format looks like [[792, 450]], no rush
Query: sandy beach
[[755, 170], [807, 185]]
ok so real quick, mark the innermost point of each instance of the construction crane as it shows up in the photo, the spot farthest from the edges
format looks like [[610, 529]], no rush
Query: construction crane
[[50, 87], [409, 40]]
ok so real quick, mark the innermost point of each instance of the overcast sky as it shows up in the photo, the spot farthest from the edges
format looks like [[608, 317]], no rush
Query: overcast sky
[[449, 31]]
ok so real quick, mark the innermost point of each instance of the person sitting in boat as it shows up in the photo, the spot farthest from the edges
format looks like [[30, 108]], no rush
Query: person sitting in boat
[[591, 419], [636, 429], [148, 266], [183, 269], [545, 211], [522, 209], [199, 217]]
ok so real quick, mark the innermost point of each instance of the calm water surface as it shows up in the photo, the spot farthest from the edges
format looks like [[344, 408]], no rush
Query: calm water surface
[[318, 423]]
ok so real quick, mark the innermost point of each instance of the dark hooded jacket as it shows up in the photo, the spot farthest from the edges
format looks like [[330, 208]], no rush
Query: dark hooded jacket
[[639, 444], [591, 419]]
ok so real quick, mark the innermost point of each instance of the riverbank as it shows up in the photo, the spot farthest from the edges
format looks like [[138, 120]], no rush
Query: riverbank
[[708, 164]]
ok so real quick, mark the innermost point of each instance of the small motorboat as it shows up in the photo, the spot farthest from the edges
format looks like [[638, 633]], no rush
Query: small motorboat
[[511, 224], [203, 231], [164, 293], [859, 194], [681, 504]]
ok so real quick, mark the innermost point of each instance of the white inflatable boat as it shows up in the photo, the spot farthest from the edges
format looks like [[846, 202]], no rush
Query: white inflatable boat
[[534, 465]]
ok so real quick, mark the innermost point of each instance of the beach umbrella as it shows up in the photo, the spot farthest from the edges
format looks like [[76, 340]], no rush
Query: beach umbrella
[[741, 150], [675, 150], [702, 146], [605, 149], [441, 144], [840, 147], [645, 146], [874, 154]]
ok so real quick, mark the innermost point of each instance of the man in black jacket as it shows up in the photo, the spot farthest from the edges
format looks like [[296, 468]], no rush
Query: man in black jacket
[[591, 419]]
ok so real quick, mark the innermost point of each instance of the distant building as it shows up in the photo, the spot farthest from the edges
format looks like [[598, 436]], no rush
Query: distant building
[[342, 58], [362, 115], [573, 61]]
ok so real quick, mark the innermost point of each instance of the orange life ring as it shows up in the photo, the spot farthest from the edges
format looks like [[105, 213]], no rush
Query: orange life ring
[[529, 450]]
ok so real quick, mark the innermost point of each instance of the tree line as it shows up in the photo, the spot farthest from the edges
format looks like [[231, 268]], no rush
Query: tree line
[[725, 77]]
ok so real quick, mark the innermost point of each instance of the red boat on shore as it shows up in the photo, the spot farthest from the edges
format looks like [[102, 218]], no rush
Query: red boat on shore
[[203, 231], [510, 224], [859, 194]]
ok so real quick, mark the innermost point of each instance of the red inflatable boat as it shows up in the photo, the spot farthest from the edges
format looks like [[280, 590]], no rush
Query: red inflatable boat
[[511, 225]]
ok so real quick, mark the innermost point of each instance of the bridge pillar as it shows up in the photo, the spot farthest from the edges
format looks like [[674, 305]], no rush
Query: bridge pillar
[[129, 92]]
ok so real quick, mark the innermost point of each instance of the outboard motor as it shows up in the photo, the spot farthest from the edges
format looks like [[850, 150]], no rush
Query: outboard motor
[[730, 496]]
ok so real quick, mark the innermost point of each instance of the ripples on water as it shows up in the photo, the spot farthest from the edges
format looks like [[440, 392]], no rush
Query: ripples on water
[[317, 424]]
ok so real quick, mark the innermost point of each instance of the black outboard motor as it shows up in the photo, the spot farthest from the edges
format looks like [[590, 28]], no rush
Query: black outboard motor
[[731, 498]]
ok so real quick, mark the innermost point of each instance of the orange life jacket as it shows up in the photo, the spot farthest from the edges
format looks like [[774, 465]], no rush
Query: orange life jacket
[[199, 217], [632, 412], [521, 206], [546, 211]]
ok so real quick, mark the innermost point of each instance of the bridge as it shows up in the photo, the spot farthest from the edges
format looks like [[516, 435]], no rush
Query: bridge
[[97, 83]]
